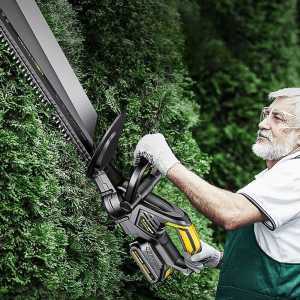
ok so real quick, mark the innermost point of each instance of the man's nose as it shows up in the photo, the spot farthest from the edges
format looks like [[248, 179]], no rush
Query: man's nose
[[265, 124]]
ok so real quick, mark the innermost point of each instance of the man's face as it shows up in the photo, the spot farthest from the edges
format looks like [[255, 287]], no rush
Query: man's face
[[275, 138]]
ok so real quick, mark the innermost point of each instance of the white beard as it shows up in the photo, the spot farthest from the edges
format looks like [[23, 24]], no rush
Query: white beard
[[272, 150]]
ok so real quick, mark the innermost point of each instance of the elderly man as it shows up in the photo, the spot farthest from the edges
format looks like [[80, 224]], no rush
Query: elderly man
[[262, 251]]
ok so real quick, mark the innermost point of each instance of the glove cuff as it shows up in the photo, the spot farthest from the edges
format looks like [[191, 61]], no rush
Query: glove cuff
[[166, 161]]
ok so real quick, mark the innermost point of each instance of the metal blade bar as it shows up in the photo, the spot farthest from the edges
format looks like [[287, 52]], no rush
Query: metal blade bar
[[45, 90], [45, 66]]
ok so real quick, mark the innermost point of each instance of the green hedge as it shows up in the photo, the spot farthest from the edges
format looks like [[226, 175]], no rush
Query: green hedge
[[54, 245]]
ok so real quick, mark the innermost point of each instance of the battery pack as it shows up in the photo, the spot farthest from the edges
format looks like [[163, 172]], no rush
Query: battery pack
[[150, 263]]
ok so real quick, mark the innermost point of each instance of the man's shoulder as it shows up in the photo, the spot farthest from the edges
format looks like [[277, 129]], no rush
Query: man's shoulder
[[288, 163], [289, 167], [283, 171]]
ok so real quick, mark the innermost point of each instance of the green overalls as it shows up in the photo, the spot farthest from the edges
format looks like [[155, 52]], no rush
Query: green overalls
[[250, 274]]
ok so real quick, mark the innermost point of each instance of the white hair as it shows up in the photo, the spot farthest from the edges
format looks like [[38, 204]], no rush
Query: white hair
[[292, 95], [286, 92]]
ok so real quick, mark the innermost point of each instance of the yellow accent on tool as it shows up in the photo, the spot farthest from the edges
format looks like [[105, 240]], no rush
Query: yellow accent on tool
[[168, 272], [189, 237], [142, 265]]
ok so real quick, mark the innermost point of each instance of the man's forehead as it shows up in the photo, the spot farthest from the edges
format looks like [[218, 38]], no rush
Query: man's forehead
[[282, 104]]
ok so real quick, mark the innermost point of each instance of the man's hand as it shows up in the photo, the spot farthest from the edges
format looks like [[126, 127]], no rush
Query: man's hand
[[208, 257], [156, 150]]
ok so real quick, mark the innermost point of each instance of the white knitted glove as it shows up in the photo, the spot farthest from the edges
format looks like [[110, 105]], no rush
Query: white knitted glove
[[207, 257], [156, 150]]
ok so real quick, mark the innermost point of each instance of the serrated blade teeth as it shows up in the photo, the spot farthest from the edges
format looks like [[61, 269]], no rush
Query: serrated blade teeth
[[56, 119], [33, 78]]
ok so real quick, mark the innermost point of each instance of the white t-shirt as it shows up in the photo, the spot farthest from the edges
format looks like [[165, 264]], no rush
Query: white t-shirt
[[276, 193]]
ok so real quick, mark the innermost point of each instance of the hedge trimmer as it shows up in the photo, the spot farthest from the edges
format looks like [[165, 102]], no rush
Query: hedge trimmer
[[129, 203]]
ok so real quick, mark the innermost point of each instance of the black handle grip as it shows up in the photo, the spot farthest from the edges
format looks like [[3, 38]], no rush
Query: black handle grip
[[171, 250]]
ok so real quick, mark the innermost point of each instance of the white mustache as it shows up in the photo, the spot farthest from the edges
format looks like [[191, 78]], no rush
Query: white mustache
[[266, 134]]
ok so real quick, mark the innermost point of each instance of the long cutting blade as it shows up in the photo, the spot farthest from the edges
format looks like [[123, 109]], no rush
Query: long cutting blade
[[34, 47]]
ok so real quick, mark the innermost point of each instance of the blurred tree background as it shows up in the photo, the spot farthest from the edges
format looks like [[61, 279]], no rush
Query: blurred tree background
[[196, 71]]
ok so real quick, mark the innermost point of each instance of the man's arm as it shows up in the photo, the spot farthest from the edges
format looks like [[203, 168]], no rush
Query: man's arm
[[227, 209]]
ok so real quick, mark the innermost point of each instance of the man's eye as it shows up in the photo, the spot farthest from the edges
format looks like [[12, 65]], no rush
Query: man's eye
[[277, 117]]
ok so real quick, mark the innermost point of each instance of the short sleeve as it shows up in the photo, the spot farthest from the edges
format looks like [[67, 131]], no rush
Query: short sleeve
[[276, 193]]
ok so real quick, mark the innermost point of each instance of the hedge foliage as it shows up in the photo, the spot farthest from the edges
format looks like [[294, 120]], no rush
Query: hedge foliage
[[54, 245]]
